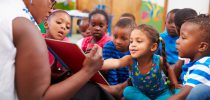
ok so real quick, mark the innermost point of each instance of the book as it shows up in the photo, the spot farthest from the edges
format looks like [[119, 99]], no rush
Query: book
[[72, 56]]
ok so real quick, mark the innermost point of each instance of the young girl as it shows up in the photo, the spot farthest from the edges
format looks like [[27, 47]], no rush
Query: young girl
[[146, 68], [98, 28]]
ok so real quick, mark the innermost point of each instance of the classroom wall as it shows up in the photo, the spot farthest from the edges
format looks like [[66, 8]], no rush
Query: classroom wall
[[113, 7], [201, 6], [117, 7], [91, 4]]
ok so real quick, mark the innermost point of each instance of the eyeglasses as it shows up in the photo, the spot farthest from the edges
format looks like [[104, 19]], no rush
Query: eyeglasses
[[53, 3]]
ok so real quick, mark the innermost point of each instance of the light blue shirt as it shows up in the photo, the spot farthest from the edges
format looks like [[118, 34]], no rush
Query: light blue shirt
[[170, 47]]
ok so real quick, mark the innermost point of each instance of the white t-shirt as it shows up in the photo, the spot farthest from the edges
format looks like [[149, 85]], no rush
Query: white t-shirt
[[9, 9], [79, 43]]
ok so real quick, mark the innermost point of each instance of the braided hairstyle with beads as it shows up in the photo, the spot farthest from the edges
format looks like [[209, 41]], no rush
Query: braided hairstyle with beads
[[154, 36]]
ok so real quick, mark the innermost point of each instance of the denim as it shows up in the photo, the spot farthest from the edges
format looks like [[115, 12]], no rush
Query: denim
[[199, 92]]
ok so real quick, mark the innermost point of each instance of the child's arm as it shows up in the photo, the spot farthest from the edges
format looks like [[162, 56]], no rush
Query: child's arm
[[116, 63], [177, 67], [171, 74], [183, 94], [173, 77]]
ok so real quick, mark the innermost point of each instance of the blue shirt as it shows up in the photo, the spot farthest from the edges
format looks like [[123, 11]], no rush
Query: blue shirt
[[170, 47], [115, 76], [196, 72], [152, 83]]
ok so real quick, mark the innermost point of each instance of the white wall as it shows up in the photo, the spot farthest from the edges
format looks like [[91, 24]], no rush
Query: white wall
[[201, 6]]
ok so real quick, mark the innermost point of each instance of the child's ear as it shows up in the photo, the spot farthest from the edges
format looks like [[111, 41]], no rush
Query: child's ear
[[154, 47], [46, 26], [203, 46]]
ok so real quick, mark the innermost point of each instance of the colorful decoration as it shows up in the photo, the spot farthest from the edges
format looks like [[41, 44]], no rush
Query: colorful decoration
[[152, 12]]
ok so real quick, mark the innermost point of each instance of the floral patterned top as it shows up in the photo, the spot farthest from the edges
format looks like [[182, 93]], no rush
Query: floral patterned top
[[151, 83]]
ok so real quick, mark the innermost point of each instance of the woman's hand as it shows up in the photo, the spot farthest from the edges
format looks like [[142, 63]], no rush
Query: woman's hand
[[93, 61]]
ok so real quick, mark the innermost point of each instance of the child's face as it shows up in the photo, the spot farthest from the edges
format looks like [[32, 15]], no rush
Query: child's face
[[58, 26], [170, 26], [83, 27], [98, 26], [140, 44], [121, 38], [189, 40]]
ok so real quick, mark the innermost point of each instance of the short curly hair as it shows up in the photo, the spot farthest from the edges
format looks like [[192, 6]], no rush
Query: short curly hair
[[102, 12], [183, 15], [204, 25]]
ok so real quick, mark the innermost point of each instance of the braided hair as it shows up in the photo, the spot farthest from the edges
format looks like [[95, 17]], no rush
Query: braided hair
[[154, 36]]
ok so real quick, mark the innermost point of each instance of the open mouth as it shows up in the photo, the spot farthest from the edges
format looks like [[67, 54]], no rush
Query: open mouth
[[132, 51], [60, 33]]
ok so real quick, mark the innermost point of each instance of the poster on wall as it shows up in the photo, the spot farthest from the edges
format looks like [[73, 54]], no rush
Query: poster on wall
[[153, 12]]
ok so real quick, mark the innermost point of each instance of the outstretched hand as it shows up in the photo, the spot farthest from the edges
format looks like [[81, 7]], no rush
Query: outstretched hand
[[178, 86], [93, 61]]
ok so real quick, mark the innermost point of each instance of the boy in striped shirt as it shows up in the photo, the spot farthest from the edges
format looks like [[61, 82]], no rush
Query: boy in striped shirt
[[194, 43], [117, 49]]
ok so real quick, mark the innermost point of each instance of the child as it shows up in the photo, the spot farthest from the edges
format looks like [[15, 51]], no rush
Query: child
[[118, 48], [183, 15], [180, 17], [58, 25], [128, 15], [169, 37], [83, 28], [24, 67], [59, 22], [194, 43], [145, 67], [98, 27]]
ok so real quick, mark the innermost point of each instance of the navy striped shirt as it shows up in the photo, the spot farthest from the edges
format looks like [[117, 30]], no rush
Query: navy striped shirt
[[115, 76], [196, 72]]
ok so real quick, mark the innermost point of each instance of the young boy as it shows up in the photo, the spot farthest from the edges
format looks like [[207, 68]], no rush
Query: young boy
[[180, 17], [118, 48], [128, 15], [194, 43], [169, 37], [58, 25]]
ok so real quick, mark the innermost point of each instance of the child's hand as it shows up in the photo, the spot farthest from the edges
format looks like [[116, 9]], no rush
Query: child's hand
[[178, 86]]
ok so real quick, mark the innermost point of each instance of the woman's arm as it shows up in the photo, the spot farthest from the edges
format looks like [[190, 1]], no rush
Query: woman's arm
[[116, 63], [32, 72], [71, 85]]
